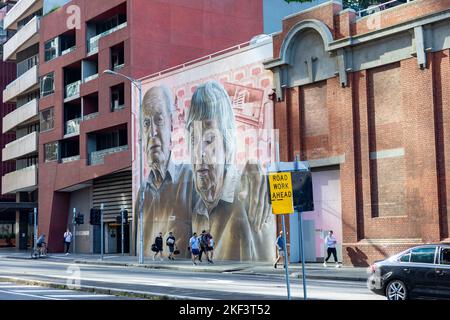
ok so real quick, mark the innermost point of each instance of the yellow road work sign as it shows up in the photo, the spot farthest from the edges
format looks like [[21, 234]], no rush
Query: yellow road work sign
[[281, 194]]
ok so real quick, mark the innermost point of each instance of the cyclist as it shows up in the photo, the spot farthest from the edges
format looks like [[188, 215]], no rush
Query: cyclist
[[41, 244]]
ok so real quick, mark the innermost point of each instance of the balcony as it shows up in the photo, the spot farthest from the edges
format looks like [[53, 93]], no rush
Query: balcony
[[26, 82], [70, 159], [24, 38], [20, 10], [72, 127], [93, 42], [21, 147], [72, 90], [21, 115], [97, 157], [20, 180]]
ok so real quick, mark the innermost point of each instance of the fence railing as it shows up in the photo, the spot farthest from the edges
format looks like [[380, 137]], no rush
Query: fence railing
[[97, 157], [380, 7], [93, 42], [73, 126], [73, 89]]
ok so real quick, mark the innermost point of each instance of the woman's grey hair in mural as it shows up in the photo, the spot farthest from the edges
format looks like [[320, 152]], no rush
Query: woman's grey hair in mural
[[212, 102]]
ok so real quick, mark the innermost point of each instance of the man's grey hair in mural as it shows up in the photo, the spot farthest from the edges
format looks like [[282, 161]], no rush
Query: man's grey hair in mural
[[168, 188], [222, 209]]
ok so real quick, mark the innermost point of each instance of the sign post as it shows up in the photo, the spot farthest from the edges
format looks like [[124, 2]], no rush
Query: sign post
[[74, 227], [101, 231], [121, 226], [35, 229], [302, 245], [281, 197]]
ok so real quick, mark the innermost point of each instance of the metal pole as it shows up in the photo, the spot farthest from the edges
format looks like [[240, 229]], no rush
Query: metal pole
[[277, 160], [101, 231], [123, 238], [286, 258], [141, 180], [74, 227], [305, 297], [35, 229], [297, 167]]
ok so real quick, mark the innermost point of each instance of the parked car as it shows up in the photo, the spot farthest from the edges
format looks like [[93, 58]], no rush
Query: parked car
[[419, 272]]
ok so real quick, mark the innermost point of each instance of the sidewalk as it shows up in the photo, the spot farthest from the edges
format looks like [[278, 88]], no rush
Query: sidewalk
[[313, 270]]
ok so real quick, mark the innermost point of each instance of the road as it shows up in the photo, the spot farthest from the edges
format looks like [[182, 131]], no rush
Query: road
[[189, 285], [14, 291]]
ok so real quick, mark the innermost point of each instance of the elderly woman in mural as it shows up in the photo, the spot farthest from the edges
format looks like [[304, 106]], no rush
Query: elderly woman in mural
[[233, 207]]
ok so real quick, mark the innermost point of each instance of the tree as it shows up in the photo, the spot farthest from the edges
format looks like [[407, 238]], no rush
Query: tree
[[357, 5]]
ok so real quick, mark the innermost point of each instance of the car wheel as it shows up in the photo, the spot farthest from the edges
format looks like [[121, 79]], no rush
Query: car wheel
[[396, 290]]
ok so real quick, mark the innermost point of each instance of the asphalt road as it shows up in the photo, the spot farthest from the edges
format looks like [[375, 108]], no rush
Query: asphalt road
[[14, 291], [189, 285]]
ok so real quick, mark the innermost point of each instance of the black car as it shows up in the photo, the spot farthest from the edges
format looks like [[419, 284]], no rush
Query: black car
[[419, 272]]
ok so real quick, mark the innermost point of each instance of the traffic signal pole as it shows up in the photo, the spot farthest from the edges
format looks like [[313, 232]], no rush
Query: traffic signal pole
[[74, 228], [122, 228], [101, 231]]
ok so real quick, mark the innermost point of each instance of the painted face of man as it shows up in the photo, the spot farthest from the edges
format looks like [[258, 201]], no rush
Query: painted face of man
[[208, 157], [157, 127]]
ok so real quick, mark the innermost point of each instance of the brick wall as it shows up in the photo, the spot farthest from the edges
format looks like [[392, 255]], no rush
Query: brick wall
[[398, 201]]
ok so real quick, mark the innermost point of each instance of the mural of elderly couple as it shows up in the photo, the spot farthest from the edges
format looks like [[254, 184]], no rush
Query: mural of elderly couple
[[207, 143]]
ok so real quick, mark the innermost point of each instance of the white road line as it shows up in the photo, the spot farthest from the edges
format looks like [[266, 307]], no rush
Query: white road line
[[77, 296], [40, 290], [17, 286], [28, 295]]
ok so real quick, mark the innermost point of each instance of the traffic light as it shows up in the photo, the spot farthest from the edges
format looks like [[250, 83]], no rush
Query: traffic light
[[79, 219], [95, 217], [118, 218], [125, 216]]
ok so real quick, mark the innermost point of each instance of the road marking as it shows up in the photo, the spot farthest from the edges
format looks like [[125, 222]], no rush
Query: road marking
[[27, 295], [39, 290], [77, 295], [220, 281], [17, 286]]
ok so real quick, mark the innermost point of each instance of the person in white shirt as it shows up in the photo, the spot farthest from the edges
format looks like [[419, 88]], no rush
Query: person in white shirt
[[194, 245], [67, 240], [330, 242]]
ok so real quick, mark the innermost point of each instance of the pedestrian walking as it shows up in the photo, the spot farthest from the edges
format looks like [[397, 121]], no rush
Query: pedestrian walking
[[67, 240], [170, 243], [211, 248], [280, 249], [203, 246], [330, 241], [194, 246], [158, 246]]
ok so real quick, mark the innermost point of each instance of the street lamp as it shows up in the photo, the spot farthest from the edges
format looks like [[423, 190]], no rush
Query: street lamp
[[138, 85]]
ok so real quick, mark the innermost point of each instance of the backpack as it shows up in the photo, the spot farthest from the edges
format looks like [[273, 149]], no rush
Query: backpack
[[204, 241], [154, 248]]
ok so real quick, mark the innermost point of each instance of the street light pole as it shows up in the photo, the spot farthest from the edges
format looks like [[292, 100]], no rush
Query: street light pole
[[138, 85]]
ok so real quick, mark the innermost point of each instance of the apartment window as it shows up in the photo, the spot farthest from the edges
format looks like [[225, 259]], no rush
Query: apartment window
[[47, 84], [51, 49], [117, 57], [118, 97], [47, 120], [51, 151]]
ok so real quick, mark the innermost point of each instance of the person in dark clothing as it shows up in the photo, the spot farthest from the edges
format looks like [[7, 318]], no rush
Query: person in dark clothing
[[204, 246], [159, 246], [170, 242]]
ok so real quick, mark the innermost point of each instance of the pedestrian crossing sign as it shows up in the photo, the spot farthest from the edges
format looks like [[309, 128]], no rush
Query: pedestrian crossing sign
[[281, 194]]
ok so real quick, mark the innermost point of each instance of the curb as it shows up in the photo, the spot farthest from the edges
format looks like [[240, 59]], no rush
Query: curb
[[98, 290], [240, 270], [162, 267]]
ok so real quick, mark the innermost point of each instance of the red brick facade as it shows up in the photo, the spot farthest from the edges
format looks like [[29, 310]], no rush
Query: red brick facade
[[389, 203]]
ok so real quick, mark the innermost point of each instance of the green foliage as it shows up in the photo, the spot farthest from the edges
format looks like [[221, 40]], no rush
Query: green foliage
[[354, 4]]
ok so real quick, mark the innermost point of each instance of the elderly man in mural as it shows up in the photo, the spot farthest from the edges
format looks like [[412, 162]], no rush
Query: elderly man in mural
[[168, 191], [233, 207]]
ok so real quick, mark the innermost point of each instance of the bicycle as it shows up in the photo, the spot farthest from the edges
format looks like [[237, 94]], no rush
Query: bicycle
[[39, 252]]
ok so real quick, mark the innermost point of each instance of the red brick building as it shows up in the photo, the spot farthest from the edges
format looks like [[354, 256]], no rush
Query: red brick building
[[367, 101], [84, 154]]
